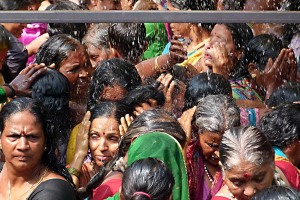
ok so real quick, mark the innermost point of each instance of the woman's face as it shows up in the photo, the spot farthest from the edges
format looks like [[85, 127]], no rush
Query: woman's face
[[244, 180], [209, 143], [104, 138], [221, 43], [74, 67], [97, 55], [23, 141]]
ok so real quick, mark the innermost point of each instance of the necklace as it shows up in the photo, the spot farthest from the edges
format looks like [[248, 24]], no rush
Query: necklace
[[31, 187], [210, 177]]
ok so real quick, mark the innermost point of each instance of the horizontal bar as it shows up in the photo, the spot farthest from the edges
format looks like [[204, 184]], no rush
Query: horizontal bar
[[151, 16]]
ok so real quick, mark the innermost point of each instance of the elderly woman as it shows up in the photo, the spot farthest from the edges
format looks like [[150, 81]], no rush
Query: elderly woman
[[214, 115], [248, 166], [31, 170]]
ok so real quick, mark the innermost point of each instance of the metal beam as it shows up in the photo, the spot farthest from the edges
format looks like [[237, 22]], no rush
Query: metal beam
[[151, 16]]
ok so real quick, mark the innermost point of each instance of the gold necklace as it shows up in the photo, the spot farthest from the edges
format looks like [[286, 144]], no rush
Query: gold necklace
[[31, 187]]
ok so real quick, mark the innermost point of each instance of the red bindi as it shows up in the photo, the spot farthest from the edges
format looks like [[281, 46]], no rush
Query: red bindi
[[247, 175], [22, 133]]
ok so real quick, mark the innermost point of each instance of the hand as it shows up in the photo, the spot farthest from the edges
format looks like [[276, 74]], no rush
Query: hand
[[276, 73], [82, 138], [221, 60], [125, 123], [23, 82], [186, 122], [167, 86], [151, 103], [177, 51]]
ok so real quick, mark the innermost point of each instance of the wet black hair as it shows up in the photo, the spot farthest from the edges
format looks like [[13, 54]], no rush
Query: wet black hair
[[116, 109], [76, 30], [113, 71], [150, 176], [129, 39], [142, 94], [56, 49], [49, 158], [13, 4], [277, 193], [52, 90], [282, 125], [287, 93], [205, 84], [260, 48]]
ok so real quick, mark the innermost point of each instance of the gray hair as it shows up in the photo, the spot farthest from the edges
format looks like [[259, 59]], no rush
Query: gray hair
[[245, 144], [98, 36], [216, 113]]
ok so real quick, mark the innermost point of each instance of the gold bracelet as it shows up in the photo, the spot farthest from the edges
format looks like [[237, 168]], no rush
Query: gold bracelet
[[74, 171], [156, 66]]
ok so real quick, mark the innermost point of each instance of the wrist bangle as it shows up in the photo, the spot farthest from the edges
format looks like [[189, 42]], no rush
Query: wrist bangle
[[11, 89], [156, 66], [74, 171]]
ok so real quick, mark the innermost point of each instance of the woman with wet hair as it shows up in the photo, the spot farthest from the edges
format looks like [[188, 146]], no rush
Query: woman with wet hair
[[147, 178], [223, 54], [282, 128], [213, 116], [70, 58], [149, 121], [31, 169], [112, 80], [98, 138], [277, 193], [248, 165]]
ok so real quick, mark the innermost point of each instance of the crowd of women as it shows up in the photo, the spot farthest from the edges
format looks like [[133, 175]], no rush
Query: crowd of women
[[141, 111]]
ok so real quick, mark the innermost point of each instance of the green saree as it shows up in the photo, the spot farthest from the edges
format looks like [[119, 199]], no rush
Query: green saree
[[166, 148]]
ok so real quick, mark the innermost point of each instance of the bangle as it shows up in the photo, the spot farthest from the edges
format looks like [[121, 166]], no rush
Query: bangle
[[74, 171], [11, 89], [156, 66]]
